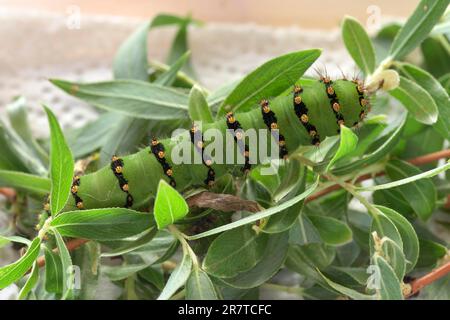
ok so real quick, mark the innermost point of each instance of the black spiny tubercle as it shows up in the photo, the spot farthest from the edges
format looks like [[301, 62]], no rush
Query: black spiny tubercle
[[117, 168], [363, 102], [334, 102], [199, 145], [238, 135], [270, 120], [158, 151], [74, 190], [302, 113]]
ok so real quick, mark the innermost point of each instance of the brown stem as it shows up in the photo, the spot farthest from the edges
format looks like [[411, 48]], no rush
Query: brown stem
[[9, 193], [434, 275], [71, 245]]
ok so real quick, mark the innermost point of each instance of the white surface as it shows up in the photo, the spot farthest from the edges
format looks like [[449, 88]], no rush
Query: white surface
[[37, 46]]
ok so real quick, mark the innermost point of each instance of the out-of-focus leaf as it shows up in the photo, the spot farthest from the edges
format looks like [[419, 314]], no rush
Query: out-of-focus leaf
[[133, 98], [418, 26], [13, 272], [437, 92], [416, 100], [270, 79], [25, 181], [358, 44]]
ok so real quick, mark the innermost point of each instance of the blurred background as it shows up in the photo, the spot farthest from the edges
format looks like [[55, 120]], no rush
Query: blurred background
[[312, 14], [77, 40]]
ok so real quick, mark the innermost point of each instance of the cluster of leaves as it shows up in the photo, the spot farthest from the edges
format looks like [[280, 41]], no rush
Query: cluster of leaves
[[328, 241]]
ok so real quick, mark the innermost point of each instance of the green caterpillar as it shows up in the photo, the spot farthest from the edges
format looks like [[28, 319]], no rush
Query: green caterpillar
[[307, 115]]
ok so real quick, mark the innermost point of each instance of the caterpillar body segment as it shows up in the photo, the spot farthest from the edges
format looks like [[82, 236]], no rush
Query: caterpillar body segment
[[310, 112]]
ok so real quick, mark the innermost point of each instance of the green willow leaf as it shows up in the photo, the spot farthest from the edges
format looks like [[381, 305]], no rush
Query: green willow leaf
[[153, 275], [123, 137], [102, 224], [436, 54], [31, 282], [180, 46], [351, 293], [358, 44], [303, 232], [394, 256], [272, 260], [9, 157], [234, 251], [177, 278], [308, 259], [258, 216], [182, 80], [7, 239], [287, 189], [390, 288], [13, 272], [384, 228], [92, 136], [53, 271], [347, 144], [18, 117], [133, 98], [437, 92], [331, 231], [270, 79], [417, 28], [416, 100], [130, 61], [430, 253], [393, 137], [198, 107], [61, 166], [421, 194], [133, 244], [16, 154], [409, 179], [168, 77], [25, 181], [67, 267], [408, 235], [199, 286], [170, 206]]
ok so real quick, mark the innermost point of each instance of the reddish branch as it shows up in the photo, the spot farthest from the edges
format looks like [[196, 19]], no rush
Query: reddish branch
[[71, 245], [223, 202], [8, 193], [434, 275]]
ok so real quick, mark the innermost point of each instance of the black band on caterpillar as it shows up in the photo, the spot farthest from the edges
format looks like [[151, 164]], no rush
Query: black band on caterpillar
[[117, 168], [238, 135], [363, 102], [74, 190], [270, 119], [302, 113], [158, 151], [334, 102], [198, 142]]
